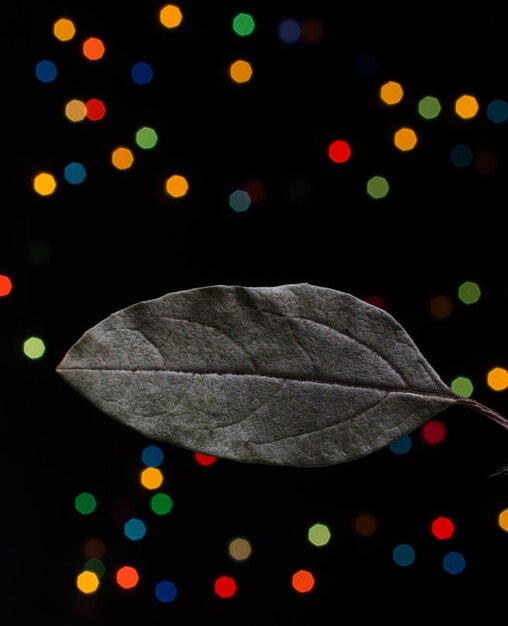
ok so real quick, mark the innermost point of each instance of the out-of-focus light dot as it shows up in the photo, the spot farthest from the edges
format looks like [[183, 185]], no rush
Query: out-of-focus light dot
[[93, 48], [289, 31], [319, 535], [366, 65], [243, 24], [469, 292], [391, 92], [225, 587], [239, 201], [151, 478], [365, 525], [142, 73], [497, 111], [75, 110], [339, 151], [440, 307], [34, 348], [127, 577], [502, 520], [461, 156], [161, 504], [377, 301], [170, 16], [44, 184], [433, 432], [146, 138], [302, 581], [177, 186], [64, 29], [256, 190], [46, 71], [402, 445], [429, 107], [405, 139], [95, 109], [152, 456], [74, 173], [312, 30], [85, 503], [442, 528], [466, 107], [134, 529], [87, 582], [497, 379], [94, 548], [5, 285], [165, 591], [462, 386], [122, 158], [239, 549], [377, 187], [240, 71], [454, 563], [204, 459], [403, 555], [97, 566]]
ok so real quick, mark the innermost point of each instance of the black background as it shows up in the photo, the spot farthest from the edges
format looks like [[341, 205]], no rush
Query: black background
[[118, 238]]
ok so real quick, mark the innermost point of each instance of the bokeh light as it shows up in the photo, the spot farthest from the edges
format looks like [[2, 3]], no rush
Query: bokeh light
[[466, 107], [319, 535], [302, 581], [339, 151], [289, 31], [34, 348], [152, 456], [402, 445], [365, 525], [461, 156], [454, 563], [94, 548], [95, 109], [440, 307], [239, 549], [146, 138], [134, 529], [85, 503], [240, 71], [239, 201], [403, 555], [165, 591], [44, 184], [87, 582], [497, 378], [142, 73], [46, 71], [391, 92], [93, 48], [75, 110], [151, 478], [377, 187], [405, 139], [122, 158], [161, 503], [170, 16], [205, 459], [502, 520], [442, 528], [225, 587], [177, 186], [433, 432], [256, 190], [497, 111], [74, 173], [243, 24], [127, 577], [429, 107], [64, 29], [5, 285], [312, 30], [469, 292], [96, 566], [366, 65], [40, 251], [462, 386], [376, 301]]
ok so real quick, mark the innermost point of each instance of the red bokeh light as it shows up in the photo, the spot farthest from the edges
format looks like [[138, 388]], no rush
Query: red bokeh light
[[95, 109], [339, 151], [442, 528], [225, 587], [204, 459], [433, 432]]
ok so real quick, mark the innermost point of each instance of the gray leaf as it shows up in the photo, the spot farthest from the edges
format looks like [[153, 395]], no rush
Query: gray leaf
[[290, 375]]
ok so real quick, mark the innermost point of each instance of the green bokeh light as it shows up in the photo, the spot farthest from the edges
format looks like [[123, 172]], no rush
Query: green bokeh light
[[429, 107], [146, 138], [319, 535], [243, 24], [377, 187], [85, 503], [462, 386], [469, 292], [96, 566], [161, 503], [34, 348]]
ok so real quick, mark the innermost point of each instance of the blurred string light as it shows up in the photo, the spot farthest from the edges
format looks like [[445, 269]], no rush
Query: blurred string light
[[152, 456], [205, 459], [497, 111], [256, 190], [433, 432], [146, 138], [170, 16], [319, 535], [461, 155], [225, 587], [94, 548], [177, 186], [466, 107], [165, 591], [151, 478], [96, 566], [239, 201], [85, 503], [391, 92], [303, 581], [74, 173], [127, 577], [497, 378], [429, 107], [289, 31], [134, 529], [122, 158], [502, 520], [462, 386], [142, 73], [87, 582], [454, 563], [93, 48], [5, 285], [469, 292], [405, 139], [240, 71], [403, 555], [339, 151], [95, 109], [239, 549], [46, 71], [75, 110], [34, 348], [161, 504], [377, 187], [442, 528], [440, 307], [402, 445], [366, 65], [312, 30], [64, 29], [243, 24], [44, 184], [365, 525]]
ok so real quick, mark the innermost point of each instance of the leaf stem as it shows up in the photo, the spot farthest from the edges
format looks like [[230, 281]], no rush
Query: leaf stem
[[484, 410]]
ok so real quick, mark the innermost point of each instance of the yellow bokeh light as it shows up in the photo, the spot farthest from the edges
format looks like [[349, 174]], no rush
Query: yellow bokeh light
[[151, 478], [122, 158], [177, 186], [391, 92], [87, 582], [466, 107], [240, 71], [405, 139], [75, 110], [502, 520], [497, 379], [44, 184], [64, 29], [170, 16]]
